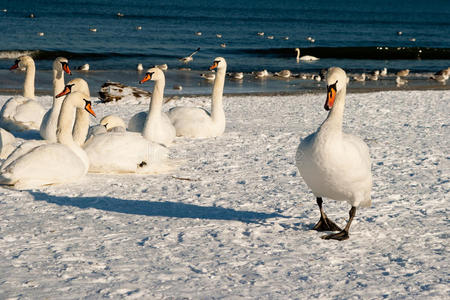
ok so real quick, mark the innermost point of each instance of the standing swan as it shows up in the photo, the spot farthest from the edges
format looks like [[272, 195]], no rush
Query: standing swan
[[23, 112], [154, 125], [52, 163], [195, 122], [334, 164], [304, 57], [50, 120]]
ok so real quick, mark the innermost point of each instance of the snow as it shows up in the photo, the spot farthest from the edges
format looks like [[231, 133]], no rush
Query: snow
[[234, 220]]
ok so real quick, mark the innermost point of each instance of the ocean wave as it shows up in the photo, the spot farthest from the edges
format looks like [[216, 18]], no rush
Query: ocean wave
[[13, 54]]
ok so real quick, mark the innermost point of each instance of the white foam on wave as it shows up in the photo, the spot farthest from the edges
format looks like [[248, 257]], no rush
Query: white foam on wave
[[13, 54]]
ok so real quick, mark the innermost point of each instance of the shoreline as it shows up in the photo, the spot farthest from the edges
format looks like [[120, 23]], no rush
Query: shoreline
[[318, 90]]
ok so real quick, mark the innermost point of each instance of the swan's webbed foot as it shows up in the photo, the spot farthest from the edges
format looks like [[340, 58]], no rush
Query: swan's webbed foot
[[326, 224], [340, 236]]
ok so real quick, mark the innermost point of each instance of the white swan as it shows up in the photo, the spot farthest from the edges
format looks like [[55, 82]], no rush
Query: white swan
[[334, 164], [196, 122], [155, 125], [81, 126], [52, 163], [50, 119], [23, 112], [304, 57]]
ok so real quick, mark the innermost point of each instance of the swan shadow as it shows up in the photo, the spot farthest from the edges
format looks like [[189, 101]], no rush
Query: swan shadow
[[157, 209]]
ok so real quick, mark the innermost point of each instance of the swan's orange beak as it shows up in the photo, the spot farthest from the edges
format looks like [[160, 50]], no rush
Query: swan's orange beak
[[64, 92], [331, 96], [147, 77], [88, 108], [215, 64], [66, 68], [15, 66]]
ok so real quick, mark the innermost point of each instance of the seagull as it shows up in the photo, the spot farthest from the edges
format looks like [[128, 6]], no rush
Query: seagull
[[361, 77], [189, 58], [403, 73], [400, 81]]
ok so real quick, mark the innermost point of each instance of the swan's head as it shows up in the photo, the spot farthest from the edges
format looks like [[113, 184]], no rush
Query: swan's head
[[336, 82], [62, 64], [154, 74], [220, 63], [76, 85], [112, 121], [297, 50], [79, 100], [22, 62]]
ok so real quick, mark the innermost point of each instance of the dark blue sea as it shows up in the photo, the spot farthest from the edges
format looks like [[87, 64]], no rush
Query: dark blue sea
[[359, 36]]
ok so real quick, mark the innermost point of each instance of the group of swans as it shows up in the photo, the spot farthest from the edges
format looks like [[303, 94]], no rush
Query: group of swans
[[108, 149], [333, 164]]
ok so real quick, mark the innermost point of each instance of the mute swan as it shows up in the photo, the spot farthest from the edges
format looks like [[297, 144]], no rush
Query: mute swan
[[189, 58], [113, 123], [81, 126], [155, 125], [195, 122], [22, 112], [334, 164], [304, 57], [50, 119], [51, 163]]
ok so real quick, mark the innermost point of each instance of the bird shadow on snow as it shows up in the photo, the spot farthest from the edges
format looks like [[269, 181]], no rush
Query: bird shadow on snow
[[157, 209]]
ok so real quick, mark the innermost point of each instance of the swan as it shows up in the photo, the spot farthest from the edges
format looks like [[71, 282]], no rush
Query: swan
[[50, 119], [334, 164], [155, 125], [304, 57], [22, 113], [195, 122], [189, 58], [113, 123], [81, 125], [51, 163]]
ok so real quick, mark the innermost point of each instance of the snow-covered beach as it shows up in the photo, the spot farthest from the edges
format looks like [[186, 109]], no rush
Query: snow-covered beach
[[234, 220]]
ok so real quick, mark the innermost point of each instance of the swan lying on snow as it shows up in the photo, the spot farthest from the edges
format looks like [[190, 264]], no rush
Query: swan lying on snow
[[196, 122], [51, 163], [22, 113], [334, 164]]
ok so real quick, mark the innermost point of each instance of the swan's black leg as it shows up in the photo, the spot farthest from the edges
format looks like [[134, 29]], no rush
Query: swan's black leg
[[343, 235], [324, 223]]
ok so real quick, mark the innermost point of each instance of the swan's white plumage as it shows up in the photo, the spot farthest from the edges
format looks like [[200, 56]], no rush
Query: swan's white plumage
[[126, 152], [195, 122], [23, 112], [49, 163], [334, 164], [50, 119], [6, 143], [154, 125], [305, 57]]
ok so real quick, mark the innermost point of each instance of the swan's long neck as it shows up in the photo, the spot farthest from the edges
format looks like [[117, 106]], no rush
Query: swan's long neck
[[336, 115], [157, 101], [64, 132], [217, 112], [298, 53], [81, 127], [58, 82], [28, 86]]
